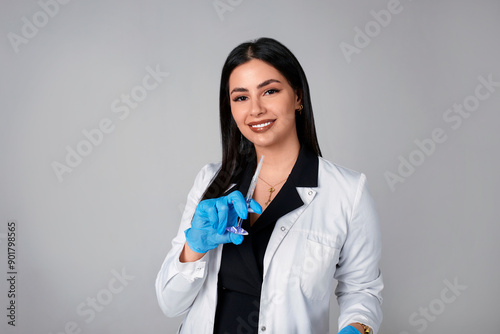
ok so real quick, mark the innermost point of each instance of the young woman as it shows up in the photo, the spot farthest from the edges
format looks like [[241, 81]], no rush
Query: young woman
[[311, 222]]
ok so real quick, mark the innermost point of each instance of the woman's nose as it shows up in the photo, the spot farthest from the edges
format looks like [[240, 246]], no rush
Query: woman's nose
[[257, 108]]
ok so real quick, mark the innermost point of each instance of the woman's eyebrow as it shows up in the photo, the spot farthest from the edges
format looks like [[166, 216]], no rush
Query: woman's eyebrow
[[267, 82], [238, 89], [262, 84]]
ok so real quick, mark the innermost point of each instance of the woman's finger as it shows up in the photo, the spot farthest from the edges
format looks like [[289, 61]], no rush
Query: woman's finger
[[239, 204], [228, 237], [222, 212], [255, 207], [206, 213]]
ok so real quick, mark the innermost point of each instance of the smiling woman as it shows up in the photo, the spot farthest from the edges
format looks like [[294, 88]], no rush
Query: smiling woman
[[263, 106], [310, 222]]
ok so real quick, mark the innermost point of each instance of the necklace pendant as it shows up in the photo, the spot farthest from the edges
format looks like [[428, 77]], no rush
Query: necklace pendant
[[271, 190]]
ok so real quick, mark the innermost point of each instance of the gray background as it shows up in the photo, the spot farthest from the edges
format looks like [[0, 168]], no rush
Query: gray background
[[120, 207]]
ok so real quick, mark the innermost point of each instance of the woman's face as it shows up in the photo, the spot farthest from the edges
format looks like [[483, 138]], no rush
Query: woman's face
[[263, 105]]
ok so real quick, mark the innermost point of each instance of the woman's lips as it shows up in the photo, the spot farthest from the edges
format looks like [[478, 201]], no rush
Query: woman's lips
[[262, 125]]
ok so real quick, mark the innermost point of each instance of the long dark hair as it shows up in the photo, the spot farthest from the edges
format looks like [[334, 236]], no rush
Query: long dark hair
[[237, 151]]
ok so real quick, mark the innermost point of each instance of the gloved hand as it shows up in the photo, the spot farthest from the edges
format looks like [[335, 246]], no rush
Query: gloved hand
[[349, 330], [212, 216]]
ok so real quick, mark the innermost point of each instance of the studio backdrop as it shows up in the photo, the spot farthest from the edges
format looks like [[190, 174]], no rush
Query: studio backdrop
[[110, 108]]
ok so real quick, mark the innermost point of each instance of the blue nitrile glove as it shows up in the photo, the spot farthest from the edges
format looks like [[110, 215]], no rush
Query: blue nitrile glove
[[212, 216], [349, 330]]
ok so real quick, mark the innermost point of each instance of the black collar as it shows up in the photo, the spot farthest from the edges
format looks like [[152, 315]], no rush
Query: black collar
[[305, 171]]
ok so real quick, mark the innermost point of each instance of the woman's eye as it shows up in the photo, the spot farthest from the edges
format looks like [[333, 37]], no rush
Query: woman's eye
[[240, 98], [271, 91]]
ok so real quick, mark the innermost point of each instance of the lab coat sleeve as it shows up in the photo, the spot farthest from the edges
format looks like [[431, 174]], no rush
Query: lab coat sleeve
[[359, 278], [178, 284]]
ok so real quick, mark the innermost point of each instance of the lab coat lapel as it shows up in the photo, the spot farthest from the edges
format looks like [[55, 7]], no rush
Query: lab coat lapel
[[285, 223]]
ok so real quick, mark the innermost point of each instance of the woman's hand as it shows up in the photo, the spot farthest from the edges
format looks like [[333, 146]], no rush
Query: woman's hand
[[212, 216]]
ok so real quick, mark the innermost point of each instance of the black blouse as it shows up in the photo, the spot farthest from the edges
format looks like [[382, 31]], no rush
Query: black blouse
[[242, 266]]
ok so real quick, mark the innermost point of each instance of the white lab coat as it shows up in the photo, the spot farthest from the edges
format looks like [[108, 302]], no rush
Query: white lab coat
[[334, 235]]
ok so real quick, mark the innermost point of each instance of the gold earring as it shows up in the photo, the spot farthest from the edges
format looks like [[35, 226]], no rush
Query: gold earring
[[300, 109]]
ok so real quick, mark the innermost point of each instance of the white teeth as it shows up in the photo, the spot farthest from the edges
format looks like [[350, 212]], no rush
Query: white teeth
[[261, 125]]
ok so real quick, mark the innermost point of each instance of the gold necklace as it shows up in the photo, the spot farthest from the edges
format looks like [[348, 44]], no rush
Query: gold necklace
[[271, 190]]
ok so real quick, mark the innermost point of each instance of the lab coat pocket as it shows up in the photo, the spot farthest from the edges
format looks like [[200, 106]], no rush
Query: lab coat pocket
[[318, 269]]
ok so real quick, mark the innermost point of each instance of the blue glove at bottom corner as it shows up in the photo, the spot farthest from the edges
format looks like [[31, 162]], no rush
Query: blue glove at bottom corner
[[349, 330]]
